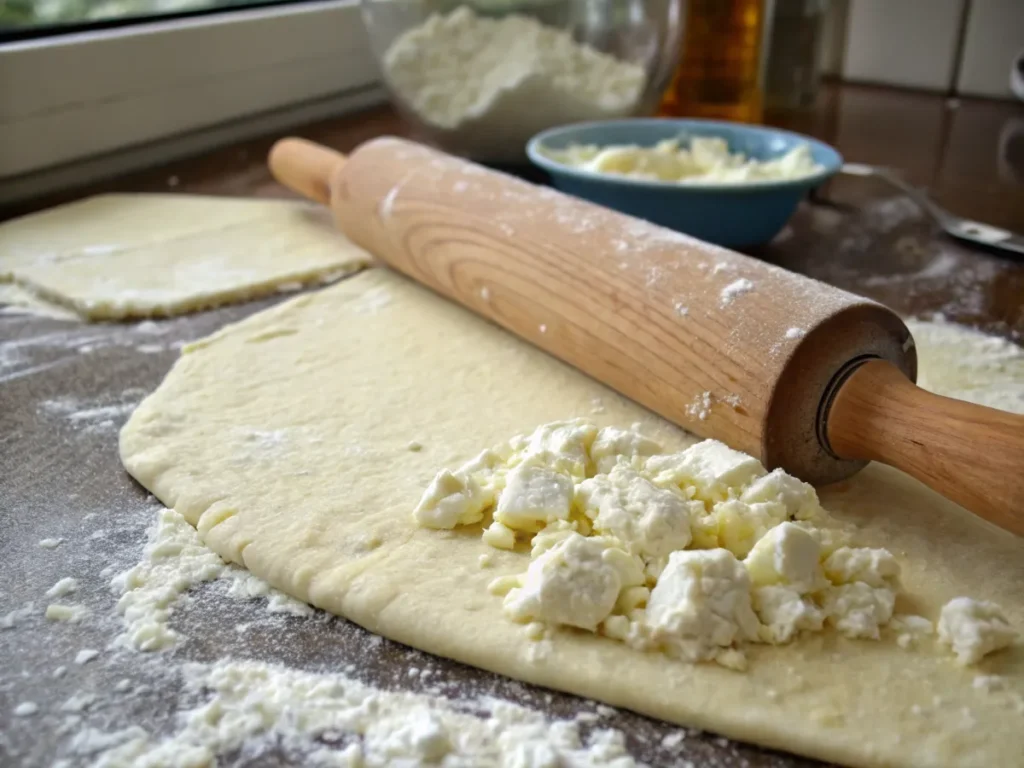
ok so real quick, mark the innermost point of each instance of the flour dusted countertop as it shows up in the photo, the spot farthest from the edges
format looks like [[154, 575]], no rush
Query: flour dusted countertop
[[79, 691], [78, 516]]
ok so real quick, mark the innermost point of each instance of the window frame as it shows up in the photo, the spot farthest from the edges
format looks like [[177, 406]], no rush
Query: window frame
[[104, 98]]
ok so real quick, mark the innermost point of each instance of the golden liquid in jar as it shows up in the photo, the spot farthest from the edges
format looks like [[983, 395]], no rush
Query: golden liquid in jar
[[719, 74]]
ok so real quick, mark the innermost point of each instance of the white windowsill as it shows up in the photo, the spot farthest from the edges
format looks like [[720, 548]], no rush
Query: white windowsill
[[119, 96]]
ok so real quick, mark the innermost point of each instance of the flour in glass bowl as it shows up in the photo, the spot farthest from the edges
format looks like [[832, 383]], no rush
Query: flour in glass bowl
[[489, 84]]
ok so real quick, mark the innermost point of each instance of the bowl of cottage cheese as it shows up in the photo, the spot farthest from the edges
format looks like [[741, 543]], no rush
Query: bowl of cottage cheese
[[727, 183], [478, 79]]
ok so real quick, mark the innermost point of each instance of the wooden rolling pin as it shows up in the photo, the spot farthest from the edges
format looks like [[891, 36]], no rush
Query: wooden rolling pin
[[805, 376]]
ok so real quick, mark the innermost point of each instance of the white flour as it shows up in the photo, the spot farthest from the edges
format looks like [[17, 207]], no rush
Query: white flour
[[314, 718], [734, 289], [493, 83], [27, 355], [972, 366], [333, 720], [174, 561], [700, 408]]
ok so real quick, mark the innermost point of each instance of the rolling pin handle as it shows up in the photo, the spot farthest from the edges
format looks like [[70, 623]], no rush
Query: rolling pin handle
[[969, 453], [305, 167]]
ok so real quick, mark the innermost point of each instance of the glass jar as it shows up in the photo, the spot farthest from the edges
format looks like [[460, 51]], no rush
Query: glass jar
[[719, 73], [794, 54]]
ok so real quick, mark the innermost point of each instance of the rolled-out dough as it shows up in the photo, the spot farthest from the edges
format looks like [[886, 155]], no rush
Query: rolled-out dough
[[285, 439], [117, 256]]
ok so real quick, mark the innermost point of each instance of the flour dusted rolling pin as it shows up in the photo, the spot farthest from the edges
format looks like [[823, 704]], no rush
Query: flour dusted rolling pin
[[800, 374]]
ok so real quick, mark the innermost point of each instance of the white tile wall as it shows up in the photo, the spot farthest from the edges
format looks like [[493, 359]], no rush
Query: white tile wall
[[903, 42], [995, 35]]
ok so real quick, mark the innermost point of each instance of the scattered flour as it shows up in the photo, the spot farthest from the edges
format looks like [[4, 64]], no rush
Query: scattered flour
[[334, 720], [312, 718], [92, 415], [245, 586], [972, 366], [373, 301], [734, 289], [674, 739], [174, 560], [13, 618], [86, 655], [700, 408]]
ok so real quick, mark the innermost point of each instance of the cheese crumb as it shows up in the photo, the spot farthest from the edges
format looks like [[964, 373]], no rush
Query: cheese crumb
[[858, 609], [974, 629], [576, 583], [651, 522], [63, 587], [450, 500], [86, 655], [70, 613], [533, 497], [786, 555], [797, 497], [612, 446], [499, 536], [910, 629], [701, 604], [738, 526], [561, 446], [710, 469], [784, 612], [874, 567]]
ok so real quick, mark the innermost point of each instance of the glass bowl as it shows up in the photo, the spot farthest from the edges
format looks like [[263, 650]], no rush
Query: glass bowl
[[479, 78]]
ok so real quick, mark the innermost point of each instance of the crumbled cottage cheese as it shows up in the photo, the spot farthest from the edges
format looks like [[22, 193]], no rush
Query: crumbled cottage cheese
[[452, 499], [576, 582], [651, 521], [692, 553], [974, 628], [706, 160], [491, 83], [701, 604]]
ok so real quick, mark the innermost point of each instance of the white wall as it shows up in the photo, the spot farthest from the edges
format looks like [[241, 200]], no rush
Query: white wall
[[918, 43]]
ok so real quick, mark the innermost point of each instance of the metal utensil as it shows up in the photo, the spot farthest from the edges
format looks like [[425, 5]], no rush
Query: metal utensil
[[967, 230]]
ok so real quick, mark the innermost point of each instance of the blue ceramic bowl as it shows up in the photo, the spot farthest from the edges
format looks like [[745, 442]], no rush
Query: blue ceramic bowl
[[733, 215]]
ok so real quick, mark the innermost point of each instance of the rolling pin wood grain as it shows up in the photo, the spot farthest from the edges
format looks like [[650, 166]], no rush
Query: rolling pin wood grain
[[805, 376]]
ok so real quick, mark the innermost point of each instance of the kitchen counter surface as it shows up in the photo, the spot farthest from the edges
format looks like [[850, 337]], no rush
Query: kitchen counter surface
[[66, 388]]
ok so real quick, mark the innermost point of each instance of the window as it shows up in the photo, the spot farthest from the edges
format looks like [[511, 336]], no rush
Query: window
[[94, 87], [48, 16]]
